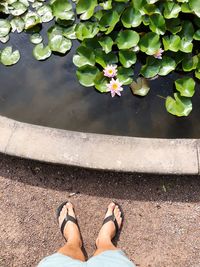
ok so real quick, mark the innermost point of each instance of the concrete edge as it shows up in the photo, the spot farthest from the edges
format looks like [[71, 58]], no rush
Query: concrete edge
[[99, 151]]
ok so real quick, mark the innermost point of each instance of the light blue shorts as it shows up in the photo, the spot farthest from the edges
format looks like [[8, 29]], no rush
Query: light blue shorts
[[110, 258]]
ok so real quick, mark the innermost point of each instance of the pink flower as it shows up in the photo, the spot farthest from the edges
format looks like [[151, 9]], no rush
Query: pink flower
[[110, 71], [114, 87], [158, 54]]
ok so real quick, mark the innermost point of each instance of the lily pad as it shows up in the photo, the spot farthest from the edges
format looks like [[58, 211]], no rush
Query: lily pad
[[180, 106], [101, 82], [41, 53], [8, 57], [125, 75], [127, 58], [150, 43], [45, 13], [4, 27], [18, 8], [57, 42], [157, 24], [86, 8], [127, 39], [131, 18], [195, 6], [87, 75], [108, 21], [17, 24], [106, 44], [186, 86], [31, 19], [62, 9], [4, 39], [85, 56], [140, 87], [36, 38], [86, 30], [172, 43]]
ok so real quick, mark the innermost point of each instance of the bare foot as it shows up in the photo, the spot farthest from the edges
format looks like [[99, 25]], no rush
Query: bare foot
[[108, 231], [71, 230]]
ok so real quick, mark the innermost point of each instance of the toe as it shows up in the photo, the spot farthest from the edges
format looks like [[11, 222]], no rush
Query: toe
[[70, 209], [110, 210]]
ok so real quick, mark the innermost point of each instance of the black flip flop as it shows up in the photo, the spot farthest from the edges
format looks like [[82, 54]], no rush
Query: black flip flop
[[114, 220], [66, 219]]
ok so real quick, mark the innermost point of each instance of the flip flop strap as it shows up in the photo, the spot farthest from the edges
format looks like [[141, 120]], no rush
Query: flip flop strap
[[67, 219], [112, 218]]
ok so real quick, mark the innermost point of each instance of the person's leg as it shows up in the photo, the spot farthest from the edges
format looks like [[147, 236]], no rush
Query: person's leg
[[73, 246], [107, 232]]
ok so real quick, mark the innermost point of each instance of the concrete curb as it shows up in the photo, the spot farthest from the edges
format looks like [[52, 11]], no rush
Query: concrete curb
[[98, 151]]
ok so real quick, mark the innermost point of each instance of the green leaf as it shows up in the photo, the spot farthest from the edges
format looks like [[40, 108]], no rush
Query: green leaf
[[180, 106], [150, 43], [167, 65], [85, 56], [171, 43], [197, 35], [87, 75], [173, 25], [86, 30], [185, 45], [104, 59], [127, 58], [86, 8], [57, 42], [70, 32], [140, 87], [186, 86], [101, 82], [31, 19], [157, 24], [36, 38], [195, 6], [4, 27], [151, 68], [190, 63], [41, 53], [18, 9], [127, 39], [45, 13], [8, 57], [108, 21], [106, 43], [171, 10], [61, 9], [131, 18], [125, 75], [4, 39], [17, 24]]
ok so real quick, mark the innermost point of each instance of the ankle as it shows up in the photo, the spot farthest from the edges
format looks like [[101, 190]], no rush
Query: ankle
[[74, 243], [103, 242]]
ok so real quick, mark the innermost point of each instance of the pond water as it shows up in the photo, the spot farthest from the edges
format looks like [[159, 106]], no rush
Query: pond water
[[49, 94]]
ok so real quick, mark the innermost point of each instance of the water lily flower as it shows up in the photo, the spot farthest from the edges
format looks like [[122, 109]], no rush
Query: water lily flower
[[110, 71], [158, 54], [114, 87]]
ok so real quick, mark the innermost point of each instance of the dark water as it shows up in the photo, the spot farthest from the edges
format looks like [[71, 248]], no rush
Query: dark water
[[49, 94]]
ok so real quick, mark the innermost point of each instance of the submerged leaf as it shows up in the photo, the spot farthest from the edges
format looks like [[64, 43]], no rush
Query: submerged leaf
[[8, 57], [140, 87]]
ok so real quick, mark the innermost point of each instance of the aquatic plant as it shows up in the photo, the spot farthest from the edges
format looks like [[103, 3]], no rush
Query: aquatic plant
[[161, 36]]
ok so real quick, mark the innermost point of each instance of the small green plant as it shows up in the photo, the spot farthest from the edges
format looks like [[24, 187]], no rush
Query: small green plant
[[161, 35]]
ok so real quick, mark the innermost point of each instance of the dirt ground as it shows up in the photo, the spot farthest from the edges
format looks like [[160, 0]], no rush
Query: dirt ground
[[162, 214]]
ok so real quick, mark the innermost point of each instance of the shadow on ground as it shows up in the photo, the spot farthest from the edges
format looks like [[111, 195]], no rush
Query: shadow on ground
[[133, 186]]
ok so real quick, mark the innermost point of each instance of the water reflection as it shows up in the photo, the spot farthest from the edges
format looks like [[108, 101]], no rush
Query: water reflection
[[48, 93]]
